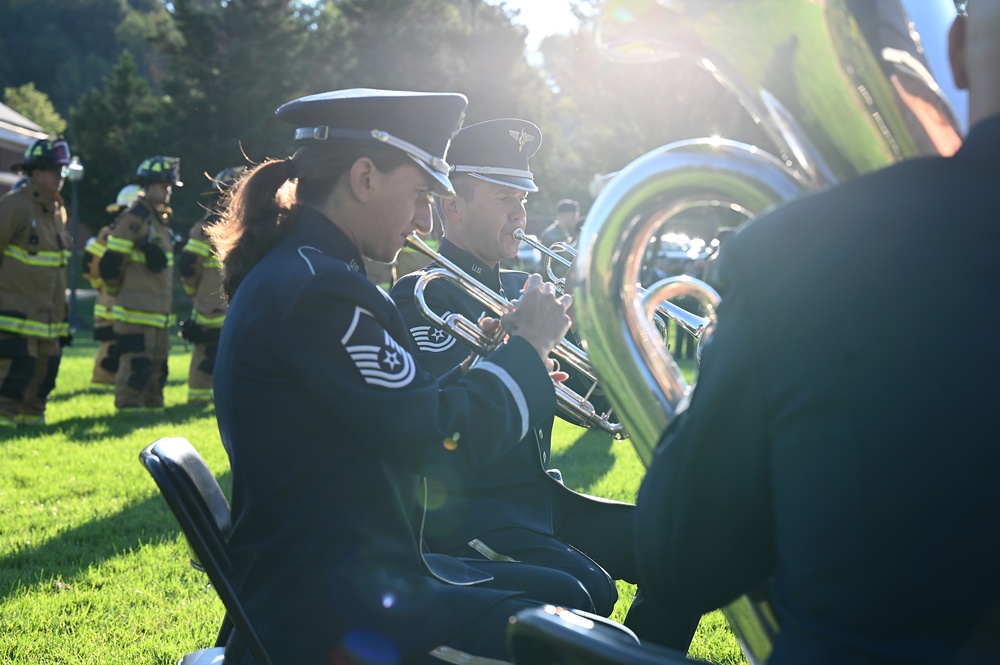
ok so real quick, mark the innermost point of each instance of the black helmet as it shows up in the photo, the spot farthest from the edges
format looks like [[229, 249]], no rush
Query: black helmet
[[227, 176], [44, 154], [160, 169]]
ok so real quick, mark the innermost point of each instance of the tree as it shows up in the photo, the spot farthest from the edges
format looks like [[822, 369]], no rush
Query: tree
[[66, 47], [35, 105], [467, 46], [231, 65], [609, 113], [113, 129]]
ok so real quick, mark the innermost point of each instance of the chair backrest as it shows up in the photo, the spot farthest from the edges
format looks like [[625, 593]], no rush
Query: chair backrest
[[201, 509], [550, 635]]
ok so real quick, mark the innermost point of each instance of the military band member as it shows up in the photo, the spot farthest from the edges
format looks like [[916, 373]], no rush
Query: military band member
[[106, 361], [566, 226], [512, 509], [34, 252], [202, 282], [821, 459], [137, 269], [329, 421]]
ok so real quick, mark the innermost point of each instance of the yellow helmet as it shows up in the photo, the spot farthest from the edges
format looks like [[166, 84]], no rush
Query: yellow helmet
[[126, 197]]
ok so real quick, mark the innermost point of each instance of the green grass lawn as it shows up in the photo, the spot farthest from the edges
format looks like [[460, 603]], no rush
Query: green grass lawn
[[92, 565]]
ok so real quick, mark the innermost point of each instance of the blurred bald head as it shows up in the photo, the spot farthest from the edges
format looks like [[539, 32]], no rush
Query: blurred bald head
[[975, 57]]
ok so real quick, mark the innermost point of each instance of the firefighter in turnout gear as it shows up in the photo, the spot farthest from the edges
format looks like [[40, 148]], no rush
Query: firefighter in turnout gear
[[137, 268], [34, 252], [106, 362], [202, 281]]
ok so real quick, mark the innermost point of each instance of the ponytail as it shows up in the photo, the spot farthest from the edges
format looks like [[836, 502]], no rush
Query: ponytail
[[257, 213], [257, 210]]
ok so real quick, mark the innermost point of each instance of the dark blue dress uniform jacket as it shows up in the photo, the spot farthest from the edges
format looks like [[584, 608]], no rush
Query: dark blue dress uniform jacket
[[329, 423], [830, 442], [515, 490]]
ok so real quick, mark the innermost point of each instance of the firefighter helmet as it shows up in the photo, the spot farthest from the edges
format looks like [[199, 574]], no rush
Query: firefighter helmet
[[227, 176], [126, 197], [45, 154], [160, 169]]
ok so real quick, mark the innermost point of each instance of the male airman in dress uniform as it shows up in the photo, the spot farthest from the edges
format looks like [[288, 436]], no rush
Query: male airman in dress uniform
[[202, 281], [137, 269], [34, 252], [512, 509], [106, 361], [565, 228]]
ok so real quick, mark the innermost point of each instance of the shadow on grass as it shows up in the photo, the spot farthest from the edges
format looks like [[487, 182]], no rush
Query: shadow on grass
[[586, 461], [75, 551], [90, 429]]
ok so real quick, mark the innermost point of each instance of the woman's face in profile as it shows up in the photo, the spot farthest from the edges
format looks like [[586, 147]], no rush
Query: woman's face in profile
[[400, 205]]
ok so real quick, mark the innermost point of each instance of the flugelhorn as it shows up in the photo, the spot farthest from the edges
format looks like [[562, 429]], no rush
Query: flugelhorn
[[574, 407], [672, 287]]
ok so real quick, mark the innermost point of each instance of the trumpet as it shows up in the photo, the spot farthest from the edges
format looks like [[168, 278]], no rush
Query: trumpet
[[671, 287], [573, 406]]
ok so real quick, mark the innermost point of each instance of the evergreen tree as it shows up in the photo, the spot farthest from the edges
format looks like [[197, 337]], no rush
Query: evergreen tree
[[35, 105], [113, 129], [231, 65], [66, 47]]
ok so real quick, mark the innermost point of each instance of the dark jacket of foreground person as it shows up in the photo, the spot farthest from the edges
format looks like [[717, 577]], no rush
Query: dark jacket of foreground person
[[831, 444]]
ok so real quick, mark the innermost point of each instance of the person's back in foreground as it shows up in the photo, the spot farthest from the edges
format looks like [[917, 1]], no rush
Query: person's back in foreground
[[827, 446]]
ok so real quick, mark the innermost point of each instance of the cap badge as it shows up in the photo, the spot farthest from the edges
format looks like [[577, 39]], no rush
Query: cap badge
[[522, 137]]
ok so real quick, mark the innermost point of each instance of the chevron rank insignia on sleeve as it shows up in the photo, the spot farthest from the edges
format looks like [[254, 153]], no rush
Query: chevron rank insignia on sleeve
[[378, 357], [432, 340]]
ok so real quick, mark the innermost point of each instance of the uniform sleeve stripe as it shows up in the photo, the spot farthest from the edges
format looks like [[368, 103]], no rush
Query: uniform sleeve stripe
[[358, 311], [512, 387]]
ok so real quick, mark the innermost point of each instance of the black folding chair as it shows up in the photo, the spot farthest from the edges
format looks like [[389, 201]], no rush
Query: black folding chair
[[557, 636], [201, 509]]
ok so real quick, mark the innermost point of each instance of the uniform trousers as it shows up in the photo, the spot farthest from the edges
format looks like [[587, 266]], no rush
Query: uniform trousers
[[28, 369], [486, 637], [142, 368], [600, 534]]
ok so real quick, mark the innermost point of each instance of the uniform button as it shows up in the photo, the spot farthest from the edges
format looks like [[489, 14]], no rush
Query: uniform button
[[541, 433], [545, 458]]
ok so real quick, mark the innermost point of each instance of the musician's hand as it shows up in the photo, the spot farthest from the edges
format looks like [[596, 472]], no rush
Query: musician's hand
[[539, 316], [557, 375], [490, 327]]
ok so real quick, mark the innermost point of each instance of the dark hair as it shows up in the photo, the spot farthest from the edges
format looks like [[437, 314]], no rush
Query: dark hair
[[258, 210]]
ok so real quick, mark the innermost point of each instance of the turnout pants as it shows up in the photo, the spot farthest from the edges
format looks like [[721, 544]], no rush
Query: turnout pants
[[28, 369], [106, 362], [142, 365], [200, 374]]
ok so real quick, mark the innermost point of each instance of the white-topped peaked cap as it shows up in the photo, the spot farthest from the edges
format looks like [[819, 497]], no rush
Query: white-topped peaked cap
[[421, 124], [497, 151]]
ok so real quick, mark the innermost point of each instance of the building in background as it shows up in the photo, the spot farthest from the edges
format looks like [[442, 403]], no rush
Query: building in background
[[16, 134]]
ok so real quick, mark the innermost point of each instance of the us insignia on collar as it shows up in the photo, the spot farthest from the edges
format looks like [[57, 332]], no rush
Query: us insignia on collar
[[522, 137]]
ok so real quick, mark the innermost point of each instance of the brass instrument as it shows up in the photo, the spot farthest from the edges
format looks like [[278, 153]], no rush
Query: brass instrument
[[672, 287], [840, 88], [575, 407]]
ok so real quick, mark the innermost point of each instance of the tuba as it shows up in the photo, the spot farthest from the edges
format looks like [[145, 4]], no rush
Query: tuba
[[839, 88]]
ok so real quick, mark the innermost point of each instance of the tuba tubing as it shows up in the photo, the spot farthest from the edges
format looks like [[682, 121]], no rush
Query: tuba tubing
[[692, 324]]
